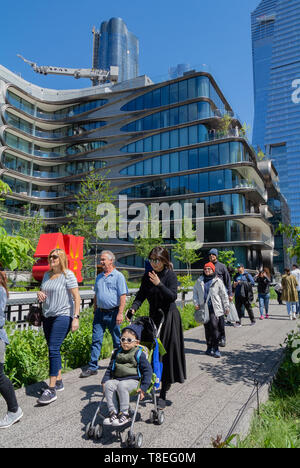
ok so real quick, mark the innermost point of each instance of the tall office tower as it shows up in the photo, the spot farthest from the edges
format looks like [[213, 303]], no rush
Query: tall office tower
[[114, 45], [276, 67]]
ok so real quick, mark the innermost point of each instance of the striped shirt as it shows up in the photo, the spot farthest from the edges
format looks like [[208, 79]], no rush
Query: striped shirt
[[3, 299], [59, 300]]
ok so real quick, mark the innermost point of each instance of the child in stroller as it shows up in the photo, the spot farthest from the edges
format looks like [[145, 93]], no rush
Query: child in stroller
[[136, 376], [128, 365]]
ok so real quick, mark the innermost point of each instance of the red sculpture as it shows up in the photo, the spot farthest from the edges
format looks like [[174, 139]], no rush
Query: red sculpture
[[72, 245]]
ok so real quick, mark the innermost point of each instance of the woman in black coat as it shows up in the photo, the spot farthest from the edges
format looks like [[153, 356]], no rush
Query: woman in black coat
[[159, 287]]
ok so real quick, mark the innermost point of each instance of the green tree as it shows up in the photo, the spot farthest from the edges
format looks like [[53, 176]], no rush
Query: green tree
[[146, 242], [292, 233], [227, 257]]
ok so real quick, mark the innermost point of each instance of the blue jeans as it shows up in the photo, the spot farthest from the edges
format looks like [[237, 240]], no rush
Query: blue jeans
[[298, 303], [56, 330], [263, 303], [291, 307], [103, 320]]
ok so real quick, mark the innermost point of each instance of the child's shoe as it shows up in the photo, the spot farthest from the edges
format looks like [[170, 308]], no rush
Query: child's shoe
[[111, 418], [122, 419]]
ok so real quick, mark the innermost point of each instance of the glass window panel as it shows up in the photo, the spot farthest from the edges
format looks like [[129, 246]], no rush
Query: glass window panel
[[165, 163], [216, 180], [174, 116], [226, 204], [139, 146], [203, 110], [194, 183], [165, 140], [192, 88], [183, 136], [174, 185], [156, 165], [214, 206], [131, 170], [193, 159], [193, 135], [228, 179], [156, 98], [203, 157], [173, 93], [165, 118], [165, 97], [156, 120], [183, 114], [155, 142], [183, 94], [147, 167], [224, 153], [174, 139], [213, 155], [202, 86], [147, 123], [139, 105], [193, 112], [234, 151], [139, 168], [202, 133], [147, 101], [183, 161], [148, 145], [174, 162], [183, 185], [203, 182]]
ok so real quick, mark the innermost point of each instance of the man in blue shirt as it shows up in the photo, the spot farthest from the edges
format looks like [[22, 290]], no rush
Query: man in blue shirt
[[109, 304], [243, 284]]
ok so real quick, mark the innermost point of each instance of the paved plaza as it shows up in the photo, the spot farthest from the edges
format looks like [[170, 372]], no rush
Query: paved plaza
[[208, 404]]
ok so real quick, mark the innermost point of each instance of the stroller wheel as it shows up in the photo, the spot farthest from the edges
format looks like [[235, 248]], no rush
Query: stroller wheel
[[139, 440], [98, 432], [153, 416], [89, 431], [130, 440], [160, 417]]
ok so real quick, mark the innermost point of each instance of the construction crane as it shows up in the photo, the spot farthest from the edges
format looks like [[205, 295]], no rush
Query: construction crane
[[96, 75]]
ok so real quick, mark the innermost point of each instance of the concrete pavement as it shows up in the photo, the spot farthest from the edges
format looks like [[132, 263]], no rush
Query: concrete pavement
[[205, 406]]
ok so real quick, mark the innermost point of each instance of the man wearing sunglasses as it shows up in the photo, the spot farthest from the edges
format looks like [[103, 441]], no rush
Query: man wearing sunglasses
[[109, 303]]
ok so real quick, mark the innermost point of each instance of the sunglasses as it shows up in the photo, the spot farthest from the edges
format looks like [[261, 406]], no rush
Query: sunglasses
[[127, 340], [53, 257], [155, 261]]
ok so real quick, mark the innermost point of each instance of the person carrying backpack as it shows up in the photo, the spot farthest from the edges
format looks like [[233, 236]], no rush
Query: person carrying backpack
[[243, 284]]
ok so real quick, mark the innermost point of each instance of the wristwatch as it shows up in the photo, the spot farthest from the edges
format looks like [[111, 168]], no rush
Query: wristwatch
[[76, 317]]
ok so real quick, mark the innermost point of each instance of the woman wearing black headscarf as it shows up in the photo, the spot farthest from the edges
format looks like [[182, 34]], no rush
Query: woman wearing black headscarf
[[159, 287]]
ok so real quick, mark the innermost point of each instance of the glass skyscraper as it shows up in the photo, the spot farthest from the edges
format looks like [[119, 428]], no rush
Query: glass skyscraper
[[276, 67], [114, 45]]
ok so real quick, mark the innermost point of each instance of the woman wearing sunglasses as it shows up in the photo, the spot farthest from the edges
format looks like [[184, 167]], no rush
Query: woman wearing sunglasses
[[159, 286], [60, 297]]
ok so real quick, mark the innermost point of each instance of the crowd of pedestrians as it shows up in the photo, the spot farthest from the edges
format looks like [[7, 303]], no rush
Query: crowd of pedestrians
[[220, 295]]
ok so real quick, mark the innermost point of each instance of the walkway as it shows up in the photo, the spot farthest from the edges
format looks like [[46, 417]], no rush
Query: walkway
[[203, 408]]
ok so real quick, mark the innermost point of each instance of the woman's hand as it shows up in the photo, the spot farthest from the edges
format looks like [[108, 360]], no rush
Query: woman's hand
[[41, 296], [142, 396], [154, 278], [75, 325]]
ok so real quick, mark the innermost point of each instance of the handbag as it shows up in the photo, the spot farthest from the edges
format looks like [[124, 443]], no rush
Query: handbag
[[233, 315], [35, 315], [202, 315]]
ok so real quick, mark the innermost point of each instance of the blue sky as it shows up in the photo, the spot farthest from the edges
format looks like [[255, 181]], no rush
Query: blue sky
[[59, 32]]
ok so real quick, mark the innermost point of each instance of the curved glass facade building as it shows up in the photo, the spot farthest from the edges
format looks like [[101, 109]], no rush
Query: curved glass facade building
[[161, 143]]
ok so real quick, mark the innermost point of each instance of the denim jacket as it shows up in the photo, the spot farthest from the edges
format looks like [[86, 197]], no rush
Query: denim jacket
[[3, 300]]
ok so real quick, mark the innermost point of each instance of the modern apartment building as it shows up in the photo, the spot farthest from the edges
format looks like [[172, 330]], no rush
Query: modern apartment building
[[114, 45], [276, 67], [161, 142]]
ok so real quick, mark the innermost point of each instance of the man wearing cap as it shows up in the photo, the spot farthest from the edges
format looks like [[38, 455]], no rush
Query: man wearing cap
[[222, 273], [243, 283]]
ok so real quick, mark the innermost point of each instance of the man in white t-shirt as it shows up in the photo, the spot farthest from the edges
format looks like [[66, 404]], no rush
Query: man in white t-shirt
[[296, 273]]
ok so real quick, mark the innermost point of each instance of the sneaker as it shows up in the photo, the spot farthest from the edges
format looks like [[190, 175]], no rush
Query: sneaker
[[253, 323], [267, 316], [111, 418], [59, 386], [88, 373], [48, 397], [122, 419], [208, 351], [11, 418], [216, 353], [237, 325], [261, 317]]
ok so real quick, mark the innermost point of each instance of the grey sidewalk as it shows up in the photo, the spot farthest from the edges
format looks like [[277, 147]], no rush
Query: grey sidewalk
[[205, 406]]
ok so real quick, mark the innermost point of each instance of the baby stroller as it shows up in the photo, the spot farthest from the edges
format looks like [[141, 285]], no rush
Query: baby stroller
[[151, 343]]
